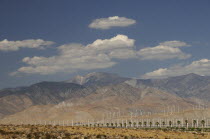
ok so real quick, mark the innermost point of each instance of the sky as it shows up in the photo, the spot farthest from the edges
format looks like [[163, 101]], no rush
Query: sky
[[54, 40]]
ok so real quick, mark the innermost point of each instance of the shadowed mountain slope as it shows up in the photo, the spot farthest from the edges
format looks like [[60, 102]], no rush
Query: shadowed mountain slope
[[190, 85], [121, 97], [96, 93], [15, 100]]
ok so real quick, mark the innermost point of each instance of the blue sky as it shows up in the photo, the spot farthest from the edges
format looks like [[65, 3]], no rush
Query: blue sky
[[66, 22]]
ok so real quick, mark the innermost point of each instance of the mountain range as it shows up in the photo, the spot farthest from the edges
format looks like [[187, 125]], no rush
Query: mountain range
[[97, 94]]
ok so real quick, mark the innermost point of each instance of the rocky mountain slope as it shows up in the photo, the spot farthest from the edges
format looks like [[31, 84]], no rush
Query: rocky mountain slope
[[97, 79], [113, 98], [186, 86], [15, 100], [95, 94]]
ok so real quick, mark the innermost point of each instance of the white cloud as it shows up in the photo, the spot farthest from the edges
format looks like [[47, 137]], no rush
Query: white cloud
[[201, 67], [115, 21], [123, 54], [97, 55], [120, 41], [73, 57], [165, 50], [174, 43], [6, 45], [161, 52]]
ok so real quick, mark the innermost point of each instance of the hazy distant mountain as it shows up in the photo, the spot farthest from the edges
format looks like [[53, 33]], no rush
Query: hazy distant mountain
[[120, 97], [190, 85], [96, 93]]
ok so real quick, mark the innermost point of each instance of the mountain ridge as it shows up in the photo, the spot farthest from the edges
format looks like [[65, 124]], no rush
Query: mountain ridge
[[148, 94]]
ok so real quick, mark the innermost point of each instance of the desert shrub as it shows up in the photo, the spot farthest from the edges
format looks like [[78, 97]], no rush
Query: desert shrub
[[198, 129], [67, 134], [99, 136], [29, 136], [191, 129], [164, 129], [2, 132], [47, 136], [206, 129], [182, 129], [126, 137], [14, 136], [17, 132]]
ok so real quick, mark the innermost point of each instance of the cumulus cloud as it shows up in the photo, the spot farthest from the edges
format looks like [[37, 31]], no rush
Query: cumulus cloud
[[73, 57], [115, 21], [120, 41], [6, 45], [162, 53], [201, 67], [174, 43], [97, 55], [165, 50]]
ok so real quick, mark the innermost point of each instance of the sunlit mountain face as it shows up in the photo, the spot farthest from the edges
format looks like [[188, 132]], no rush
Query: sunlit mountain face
[[99, 93]]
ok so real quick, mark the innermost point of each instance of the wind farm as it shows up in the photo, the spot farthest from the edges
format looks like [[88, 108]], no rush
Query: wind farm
[[104, 69], [137, 124]]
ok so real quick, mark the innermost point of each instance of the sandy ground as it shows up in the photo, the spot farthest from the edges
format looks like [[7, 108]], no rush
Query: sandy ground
[[59, 132]]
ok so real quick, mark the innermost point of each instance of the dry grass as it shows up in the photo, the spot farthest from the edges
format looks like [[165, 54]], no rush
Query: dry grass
[[56, 132]]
